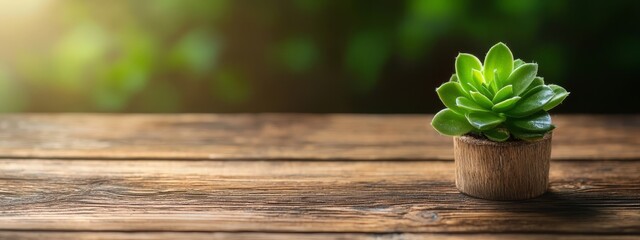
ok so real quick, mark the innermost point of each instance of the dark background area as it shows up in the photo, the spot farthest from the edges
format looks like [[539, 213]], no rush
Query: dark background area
[[303, 55]]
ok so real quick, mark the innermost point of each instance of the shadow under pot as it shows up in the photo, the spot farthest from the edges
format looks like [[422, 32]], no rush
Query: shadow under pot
[[512, 170]]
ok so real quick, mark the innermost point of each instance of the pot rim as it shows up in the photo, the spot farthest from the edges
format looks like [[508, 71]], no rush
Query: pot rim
[[470, 139]]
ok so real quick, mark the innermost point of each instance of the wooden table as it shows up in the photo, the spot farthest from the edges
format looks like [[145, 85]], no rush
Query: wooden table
[[272, 176]]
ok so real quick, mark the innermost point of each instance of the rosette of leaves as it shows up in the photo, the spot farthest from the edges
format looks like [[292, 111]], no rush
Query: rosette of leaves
[[501, 99]]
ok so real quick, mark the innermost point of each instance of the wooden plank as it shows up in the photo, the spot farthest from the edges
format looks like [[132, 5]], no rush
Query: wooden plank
[[278, 136], [306, 196], [20, 235]]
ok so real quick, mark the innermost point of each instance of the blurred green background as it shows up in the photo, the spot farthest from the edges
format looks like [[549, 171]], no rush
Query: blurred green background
[[302, 55]]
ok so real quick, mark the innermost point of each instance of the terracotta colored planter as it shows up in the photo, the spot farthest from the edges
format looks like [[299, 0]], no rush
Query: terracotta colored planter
[[511, 170]]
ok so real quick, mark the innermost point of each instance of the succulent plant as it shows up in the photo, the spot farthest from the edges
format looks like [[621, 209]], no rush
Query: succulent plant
[[502, 99]]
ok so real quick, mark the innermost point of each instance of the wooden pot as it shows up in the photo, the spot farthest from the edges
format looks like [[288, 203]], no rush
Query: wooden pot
[[512, 170]]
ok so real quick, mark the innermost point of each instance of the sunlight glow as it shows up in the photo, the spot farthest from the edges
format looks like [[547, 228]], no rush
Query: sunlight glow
[[21, 9]]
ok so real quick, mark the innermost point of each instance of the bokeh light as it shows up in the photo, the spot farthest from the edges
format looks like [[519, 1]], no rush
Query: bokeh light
[[300, 55]]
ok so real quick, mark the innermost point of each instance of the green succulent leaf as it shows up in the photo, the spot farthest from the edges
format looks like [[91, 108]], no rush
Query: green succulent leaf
[[498, 58], [496, 78], [448, 122], [522, 77], [506, 105], [497, 134], [470, 105], [480, 83], [537, 81], [524, 135], [538, 123], [481, 100], [484, 90], [532, 102], [559, 95], [504, 93], [478, 78], [469, 88], [503, 99], [448, 93], [465, 63], [517, 63], [485, 120], [453, 78], [556, 88]]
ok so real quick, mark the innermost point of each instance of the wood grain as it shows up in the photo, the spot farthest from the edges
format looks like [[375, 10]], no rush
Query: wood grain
[[306, 196], [283, 136], [21, 235], [510, 170]]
